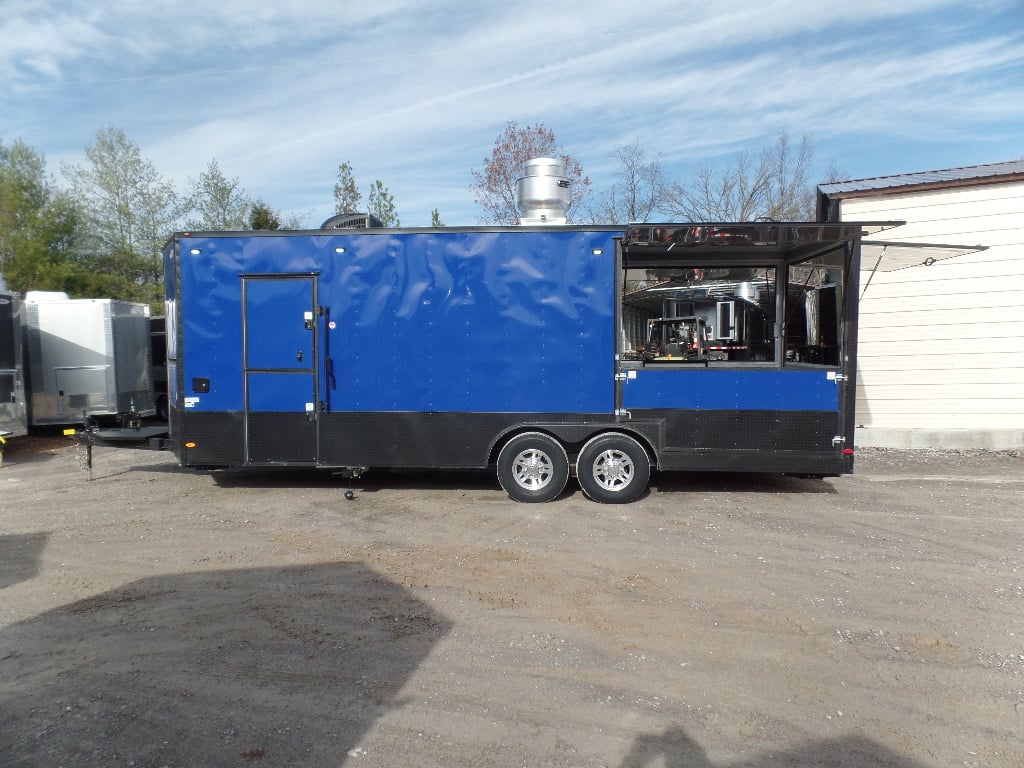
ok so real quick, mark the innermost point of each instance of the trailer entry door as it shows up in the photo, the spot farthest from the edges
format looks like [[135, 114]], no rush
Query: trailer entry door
[[280, 325]]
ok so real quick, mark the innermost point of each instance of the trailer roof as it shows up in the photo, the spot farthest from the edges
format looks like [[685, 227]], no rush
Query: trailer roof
[[753, 243], [669, 244]]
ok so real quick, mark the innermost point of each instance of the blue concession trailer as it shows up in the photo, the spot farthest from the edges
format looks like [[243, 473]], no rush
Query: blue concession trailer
[[541, 351]]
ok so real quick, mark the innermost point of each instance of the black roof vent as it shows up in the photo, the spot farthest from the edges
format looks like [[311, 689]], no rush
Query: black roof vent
[[352, 221]]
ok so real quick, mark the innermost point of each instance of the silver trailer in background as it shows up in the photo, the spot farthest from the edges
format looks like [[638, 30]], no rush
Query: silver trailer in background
[[87, 359], [13, 417]]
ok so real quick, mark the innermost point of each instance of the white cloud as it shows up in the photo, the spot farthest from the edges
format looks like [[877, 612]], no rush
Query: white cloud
[[414, 93]]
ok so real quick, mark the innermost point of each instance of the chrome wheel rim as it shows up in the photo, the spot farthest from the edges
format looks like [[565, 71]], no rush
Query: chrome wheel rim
[[613, 470], [532, 469]]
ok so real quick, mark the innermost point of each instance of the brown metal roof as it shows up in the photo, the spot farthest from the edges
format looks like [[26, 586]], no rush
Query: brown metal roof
[[993, 173]]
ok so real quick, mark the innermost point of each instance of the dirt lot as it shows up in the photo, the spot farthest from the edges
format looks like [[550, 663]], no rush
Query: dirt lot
[[155, 616]]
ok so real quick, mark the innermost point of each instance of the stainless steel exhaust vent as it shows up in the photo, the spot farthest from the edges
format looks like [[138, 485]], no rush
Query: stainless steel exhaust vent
[[544, 192]]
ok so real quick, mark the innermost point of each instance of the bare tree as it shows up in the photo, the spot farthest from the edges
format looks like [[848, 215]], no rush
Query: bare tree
[[637, 190], [773, 185], [494, 187]]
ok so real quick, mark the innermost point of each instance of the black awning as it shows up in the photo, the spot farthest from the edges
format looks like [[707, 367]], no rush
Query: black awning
[[745, 243]]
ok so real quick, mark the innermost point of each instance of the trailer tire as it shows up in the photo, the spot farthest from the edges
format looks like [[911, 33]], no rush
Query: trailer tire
[[613, 468], [533, 467]]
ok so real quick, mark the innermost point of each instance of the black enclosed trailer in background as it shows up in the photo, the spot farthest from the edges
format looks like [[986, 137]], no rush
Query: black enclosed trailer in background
[[13, 415]]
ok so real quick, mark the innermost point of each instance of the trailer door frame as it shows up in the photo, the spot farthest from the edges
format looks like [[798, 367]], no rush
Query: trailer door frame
[[280, 368]]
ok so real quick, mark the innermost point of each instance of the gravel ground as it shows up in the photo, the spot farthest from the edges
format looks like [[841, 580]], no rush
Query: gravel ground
[[155, 616]]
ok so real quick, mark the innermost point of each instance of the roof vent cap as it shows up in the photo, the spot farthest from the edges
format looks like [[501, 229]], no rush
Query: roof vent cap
[[544, 192]]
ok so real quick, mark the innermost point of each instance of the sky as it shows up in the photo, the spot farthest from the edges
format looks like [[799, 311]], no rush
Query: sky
[[414, 94]]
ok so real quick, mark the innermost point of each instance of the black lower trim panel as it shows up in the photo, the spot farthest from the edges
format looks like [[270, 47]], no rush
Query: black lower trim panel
[[799, 442], [449, 440], [208, 439], [824, 463], [389, 439], [792, 442]]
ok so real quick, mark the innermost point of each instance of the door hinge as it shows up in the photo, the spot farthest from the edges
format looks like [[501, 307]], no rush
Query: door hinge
[[623, 413], [621, 376], [841, 377], [838, 440]]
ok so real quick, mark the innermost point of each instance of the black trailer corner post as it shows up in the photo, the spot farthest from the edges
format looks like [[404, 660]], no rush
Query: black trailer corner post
[[851, 326]]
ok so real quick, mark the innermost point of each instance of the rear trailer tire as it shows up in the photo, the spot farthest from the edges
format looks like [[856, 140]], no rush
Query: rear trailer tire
[[533, 467], [613, 468]]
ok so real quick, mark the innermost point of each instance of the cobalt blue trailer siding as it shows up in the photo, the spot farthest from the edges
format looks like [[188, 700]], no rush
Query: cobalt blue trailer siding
[[709, 389], [483, 322]]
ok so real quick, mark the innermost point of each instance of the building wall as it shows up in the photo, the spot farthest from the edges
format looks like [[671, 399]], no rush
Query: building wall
[[941, 349]]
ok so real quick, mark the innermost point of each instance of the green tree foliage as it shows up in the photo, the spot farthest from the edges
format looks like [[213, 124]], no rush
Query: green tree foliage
[[217, 202], [346, 194], [382, 205], [262, 216], [52, 260], [23, 198], [348, 198], [129, 210], [39, 226], [494, 186], [435, 218]]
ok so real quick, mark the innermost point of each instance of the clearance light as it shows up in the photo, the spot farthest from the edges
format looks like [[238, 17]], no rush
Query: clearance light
[[190, 445], [597, 251], [195, 251], [847, 451], [339, 249]]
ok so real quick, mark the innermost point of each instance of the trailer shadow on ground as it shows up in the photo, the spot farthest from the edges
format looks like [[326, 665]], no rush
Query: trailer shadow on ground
[[212, 668], [20, 555], [27, 449], [484, 480], [738, 482]]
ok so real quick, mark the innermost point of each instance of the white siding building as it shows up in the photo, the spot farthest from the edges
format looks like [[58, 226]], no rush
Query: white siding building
[[941, 347]]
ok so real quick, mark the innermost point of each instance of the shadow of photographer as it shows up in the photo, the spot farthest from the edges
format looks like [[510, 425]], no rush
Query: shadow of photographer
[[207, 668], [674, 748]]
